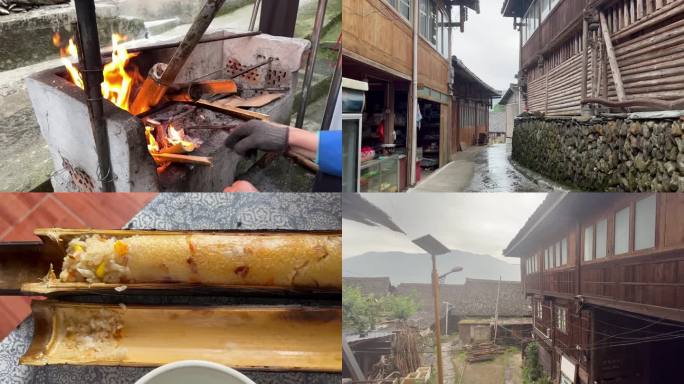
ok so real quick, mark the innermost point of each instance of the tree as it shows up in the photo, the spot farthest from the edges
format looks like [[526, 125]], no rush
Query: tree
[[361, 312], [532, 370], [401, 307]]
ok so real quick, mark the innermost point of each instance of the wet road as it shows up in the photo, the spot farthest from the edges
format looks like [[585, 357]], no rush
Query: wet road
[[480, 169], [494, 172]]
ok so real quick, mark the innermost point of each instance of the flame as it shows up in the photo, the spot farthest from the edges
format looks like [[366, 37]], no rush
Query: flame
[[152, 145], [120, 76], [176, 137]]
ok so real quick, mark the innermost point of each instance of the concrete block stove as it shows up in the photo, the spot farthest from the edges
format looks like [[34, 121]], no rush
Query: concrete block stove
[[61, 110]]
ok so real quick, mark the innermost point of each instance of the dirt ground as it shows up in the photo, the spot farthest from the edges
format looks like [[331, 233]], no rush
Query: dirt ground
[[505, 369]]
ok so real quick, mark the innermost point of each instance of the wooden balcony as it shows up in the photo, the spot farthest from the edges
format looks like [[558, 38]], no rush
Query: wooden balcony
[[562, 20], [650, 283]]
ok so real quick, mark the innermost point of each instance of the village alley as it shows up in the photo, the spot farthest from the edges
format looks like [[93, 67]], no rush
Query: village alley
[[479, 169]]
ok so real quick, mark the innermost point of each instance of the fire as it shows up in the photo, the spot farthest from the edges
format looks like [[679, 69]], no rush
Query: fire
[[177, 137], [163, 139], [120, 75]]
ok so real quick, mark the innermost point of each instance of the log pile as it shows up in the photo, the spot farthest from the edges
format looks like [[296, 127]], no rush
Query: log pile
[[8, 7], [603, 153], [483, 352], [405, 350]]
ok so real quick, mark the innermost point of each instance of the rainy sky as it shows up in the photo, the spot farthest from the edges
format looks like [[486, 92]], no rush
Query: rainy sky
[[489, 45], [481, 223]]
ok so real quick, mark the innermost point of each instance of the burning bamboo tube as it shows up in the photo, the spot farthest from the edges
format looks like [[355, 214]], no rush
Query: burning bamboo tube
[[155, 85], [271, 337], [287, 260]]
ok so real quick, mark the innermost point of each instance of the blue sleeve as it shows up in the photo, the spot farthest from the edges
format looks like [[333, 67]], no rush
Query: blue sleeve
[[329, 155]]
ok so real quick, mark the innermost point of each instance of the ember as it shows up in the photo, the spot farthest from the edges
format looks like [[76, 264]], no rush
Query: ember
[[121, 77]]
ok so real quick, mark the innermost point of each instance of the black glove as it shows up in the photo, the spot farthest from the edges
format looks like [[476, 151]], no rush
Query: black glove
[[257, 134]]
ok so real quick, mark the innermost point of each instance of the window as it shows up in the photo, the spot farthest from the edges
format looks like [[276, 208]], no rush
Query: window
[[440, 20], [423, 20], [644, 223], [589, 243], [539, 313], [561, 320], [601, 238], [564, 251], [558, 254], [546, 259], [445, 36], [405, 8], [434, 14], [622, 231]]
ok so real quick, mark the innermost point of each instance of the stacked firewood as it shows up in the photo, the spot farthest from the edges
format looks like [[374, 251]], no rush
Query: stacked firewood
[[482, 352], [405, 350], [8, 7]]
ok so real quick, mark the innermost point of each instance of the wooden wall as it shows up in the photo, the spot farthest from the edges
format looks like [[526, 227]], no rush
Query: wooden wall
[[644, 280], [470, 118], [647, 36], [433, 69], [373, 30], [650, 58]]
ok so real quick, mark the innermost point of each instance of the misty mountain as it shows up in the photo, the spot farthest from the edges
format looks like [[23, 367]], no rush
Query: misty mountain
[[403, 267]]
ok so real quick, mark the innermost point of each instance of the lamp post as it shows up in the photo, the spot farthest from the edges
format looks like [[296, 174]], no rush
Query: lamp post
[[442, 278], [446, 318], [434, 248]]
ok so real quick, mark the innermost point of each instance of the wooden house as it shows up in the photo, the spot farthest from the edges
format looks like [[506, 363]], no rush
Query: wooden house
[[608, 53], [605, 273], [401, 49], [474, 299], [376, 286], [511, 103], [472, 99]]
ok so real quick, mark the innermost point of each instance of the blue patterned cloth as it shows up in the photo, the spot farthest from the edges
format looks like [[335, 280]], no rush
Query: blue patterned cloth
[[184, 211]]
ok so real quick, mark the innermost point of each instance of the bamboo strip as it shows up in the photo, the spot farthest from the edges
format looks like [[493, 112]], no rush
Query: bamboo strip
[[264, 337]]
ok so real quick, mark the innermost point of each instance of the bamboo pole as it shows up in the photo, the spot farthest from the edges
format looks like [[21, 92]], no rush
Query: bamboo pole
[[611, 58]]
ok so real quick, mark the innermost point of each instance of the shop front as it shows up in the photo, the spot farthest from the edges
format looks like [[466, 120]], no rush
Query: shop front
[[377, 148]]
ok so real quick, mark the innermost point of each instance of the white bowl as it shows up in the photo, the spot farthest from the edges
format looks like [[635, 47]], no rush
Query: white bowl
[[195, 372]]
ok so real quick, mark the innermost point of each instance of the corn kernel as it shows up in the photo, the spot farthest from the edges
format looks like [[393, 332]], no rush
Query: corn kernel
[[100, 272], [120, 248]]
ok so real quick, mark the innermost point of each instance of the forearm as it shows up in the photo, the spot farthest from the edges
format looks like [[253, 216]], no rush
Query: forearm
[[303, 142]]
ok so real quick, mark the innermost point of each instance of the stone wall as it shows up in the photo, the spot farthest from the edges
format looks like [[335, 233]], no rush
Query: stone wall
[[605, 153]]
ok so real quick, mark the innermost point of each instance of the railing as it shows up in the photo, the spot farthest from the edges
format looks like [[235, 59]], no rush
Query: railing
[[652, 280], [560, 281], [532, 281], [624, 14], [559, 20]]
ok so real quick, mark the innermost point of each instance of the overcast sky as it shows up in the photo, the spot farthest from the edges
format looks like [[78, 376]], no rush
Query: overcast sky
[[489, 46], [481, 223]]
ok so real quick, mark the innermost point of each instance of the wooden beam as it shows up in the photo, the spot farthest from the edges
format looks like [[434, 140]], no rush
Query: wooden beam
[[612, 60]]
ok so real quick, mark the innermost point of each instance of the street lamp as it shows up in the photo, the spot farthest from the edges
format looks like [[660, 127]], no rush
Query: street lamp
[[435, 248], [446, 317], [443, 276]]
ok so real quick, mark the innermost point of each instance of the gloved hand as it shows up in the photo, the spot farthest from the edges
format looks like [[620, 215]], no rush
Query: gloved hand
[[257, 134]]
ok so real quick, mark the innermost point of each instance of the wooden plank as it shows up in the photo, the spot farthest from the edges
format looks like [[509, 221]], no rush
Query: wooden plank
[[252, 102], [234, 111], [610, 52], [185, 159]]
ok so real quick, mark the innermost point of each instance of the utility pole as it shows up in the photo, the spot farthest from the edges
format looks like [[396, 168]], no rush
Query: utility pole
[[496, 310], [438, 341], [434, 248], [446, 317]]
